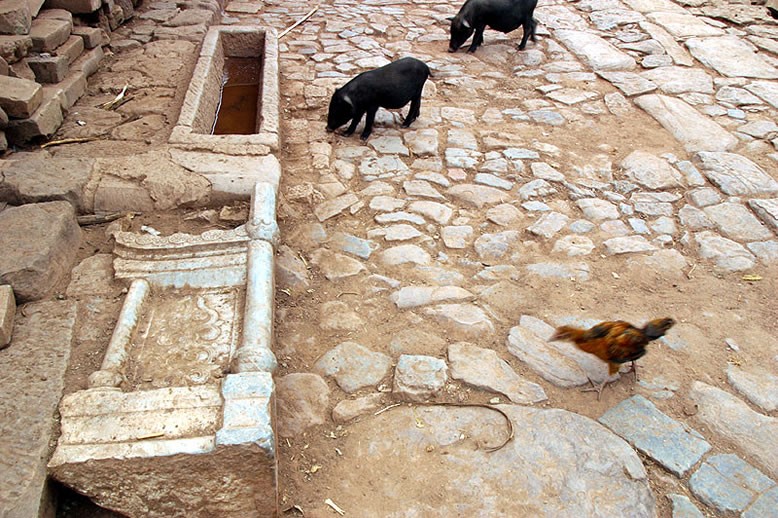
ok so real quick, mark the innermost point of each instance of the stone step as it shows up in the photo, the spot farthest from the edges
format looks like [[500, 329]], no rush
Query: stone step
[[92, 36], [71, 49], [89, 61], [48, 69], [19, 98], [75, 6], [14, 48], [35, 6], [49, 33], [15, 17], [44, 122], [69, 90]]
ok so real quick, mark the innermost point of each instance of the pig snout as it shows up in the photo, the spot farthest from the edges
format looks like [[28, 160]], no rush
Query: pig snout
[[329, 130]]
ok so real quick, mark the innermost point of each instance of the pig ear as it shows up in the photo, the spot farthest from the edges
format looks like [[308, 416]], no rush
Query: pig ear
[[450, 18]]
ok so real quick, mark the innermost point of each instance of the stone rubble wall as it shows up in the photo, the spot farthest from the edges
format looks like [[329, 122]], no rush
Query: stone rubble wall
[[47, 52]]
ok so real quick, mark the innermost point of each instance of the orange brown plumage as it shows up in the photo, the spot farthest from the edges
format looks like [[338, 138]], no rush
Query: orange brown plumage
[[615, 342]]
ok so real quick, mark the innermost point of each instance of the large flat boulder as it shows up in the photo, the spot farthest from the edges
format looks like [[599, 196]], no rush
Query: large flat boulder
[[47, 179], [39, 243], [434, 461]]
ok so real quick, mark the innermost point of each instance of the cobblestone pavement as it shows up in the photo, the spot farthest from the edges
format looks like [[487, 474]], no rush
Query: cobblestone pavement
[[584, 178]]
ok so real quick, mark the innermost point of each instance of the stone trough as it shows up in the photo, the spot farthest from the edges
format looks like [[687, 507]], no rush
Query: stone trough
[[201, 103], [179, 419]]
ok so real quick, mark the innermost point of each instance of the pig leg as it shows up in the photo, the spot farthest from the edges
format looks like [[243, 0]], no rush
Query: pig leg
[[529, 29], [354, 123], [413, 113], [369, 122], [478, 38]]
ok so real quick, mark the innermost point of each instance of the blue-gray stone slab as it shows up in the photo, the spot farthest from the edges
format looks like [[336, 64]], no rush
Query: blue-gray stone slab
[[766, 506], [684, 508], [728, 483], [657, 435], [353, 244]]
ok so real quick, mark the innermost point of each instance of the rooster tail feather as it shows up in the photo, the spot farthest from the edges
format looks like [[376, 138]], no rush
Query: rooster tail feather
[[566, 333]]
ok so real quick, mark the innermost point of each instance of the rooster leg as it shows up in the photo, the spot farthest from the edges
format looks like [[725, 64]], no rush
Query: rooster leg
[[635, 370], [596, 388]]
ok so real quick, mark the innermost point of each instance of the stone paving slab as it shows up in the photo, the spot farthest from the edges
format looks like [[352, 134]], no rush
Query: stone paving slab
[[728, 483], [597, 52], [662, 438], [683, 507], [734, 420], [695, 131], [735, 174], [32, 371], [483, 368], [732, 57]]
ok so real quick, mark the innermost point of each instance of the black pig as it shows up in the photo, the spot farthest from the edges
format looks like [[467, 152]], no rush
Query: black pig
[[500, 15], [390, 86]]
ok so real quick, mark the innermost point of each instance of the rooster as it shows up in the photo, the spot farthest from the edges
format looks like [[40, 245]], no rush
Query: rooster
[[614, 342]]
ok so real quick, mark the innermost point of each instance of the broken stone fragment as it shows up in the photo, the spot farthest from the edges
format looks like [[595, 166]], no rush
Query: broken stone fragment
[[7, 312]]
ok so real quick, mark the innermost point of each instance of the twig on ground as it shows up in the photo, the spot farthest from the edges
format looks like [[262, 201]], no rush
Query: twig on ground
[[298, 22]]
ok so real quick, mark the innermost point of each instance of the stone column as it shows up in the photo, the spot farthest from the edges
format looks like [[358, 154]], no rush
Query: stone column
[[108, 376], [255, 352]]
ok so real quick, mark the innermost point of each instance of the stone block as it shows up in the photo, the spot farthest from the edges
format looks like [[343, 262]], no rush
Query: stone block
[[117, 194], [143, 440], [418, 378], [92, 36], [47, 179], [3, 119], [32, 371], [19, 98], [728, 483], [39, 243], [15, 17], [56, 14], [75, 6], [49, 33], [35, 6], [127, 7], [13, 48], [7, 312], [69, 90], [3, 141], [4, 66], [48, 69], [21, 70], [662, 438], [248, 409], [89, 61], [43, 123], [71, 49]]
